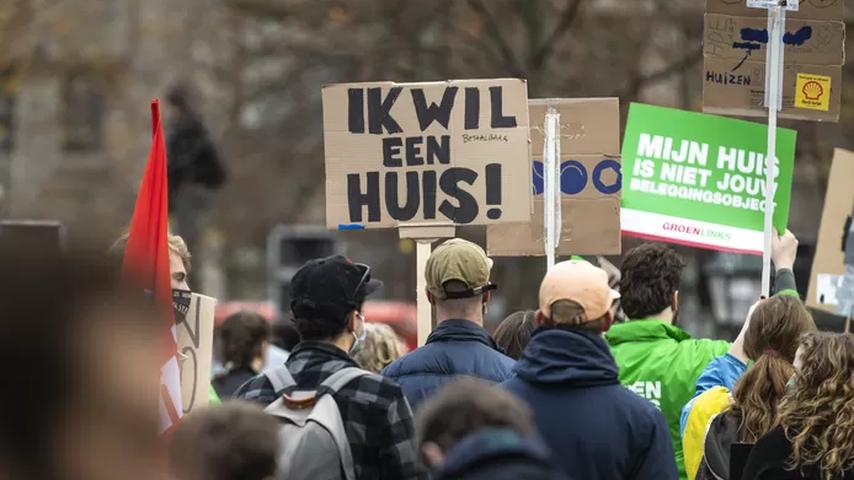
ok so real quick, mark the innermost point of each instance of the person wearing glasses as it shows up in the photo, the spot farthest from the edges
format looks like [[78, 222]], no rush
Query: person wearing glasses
[[326, 301], [457, 275]]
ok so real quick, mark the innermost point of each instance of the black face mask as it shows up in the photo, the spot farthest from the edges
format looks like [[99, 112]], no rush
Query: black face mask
[[181, 304]]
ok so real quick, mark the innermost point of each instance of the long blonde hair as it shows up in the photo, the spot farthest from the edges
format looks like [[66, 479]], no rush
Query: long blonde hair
[[771, 340], [382, 346], [818, 415]]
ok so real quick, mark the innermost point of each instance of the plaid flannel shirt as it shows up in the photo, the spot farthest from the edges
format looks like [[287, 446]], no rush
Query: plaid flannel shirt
[[376, 415]]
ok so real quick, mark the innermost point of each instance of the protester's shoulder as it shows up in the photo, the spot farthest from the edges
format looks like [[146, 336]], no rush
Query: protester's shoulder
[[258, 389], [771, 452], [406, 363], [775, 440], [373, 389], [504, 360], [703, 407], [704, 348], [415, 361]]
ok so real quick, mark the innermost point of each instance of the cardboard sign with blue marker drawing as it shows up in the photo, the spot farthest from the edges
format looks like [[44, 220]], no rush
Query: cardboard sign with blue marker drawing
[[426, 153], [590, 181], [734, 48]]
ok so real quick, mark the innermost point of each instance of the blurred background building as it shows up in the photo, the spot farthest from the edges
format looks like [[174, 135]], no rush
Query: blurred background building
[[76, 77]]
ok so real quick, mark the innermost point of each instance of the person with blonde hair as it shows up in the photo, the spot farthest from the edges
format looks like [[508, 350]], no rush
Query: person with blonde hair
[[180, 260], [382, 346], [718, 418], [814, 438]]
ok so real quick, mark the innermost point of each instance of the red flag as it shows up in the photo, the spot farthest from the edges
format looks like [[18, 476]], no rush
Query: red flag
[[146, 263]]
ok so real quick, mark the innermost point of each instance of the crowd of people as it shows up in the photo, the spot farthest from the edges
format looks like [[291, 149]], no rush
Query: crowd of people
[[564, 390]]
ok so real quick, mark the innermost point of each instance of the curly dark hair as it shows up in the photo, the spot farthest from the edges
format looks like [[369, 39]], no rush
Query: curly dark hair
[[650, 277], [818, 416]]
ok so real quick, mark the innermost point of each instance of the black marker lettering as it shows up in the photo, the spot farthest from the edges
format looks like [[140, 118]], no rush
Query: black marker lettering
[[379, 111], [413, 151], [434, 113], [391, 152], [371, 198], [466, 209], [392, 202], [428, 187], [356, 110], [496, 95], [472, 112], [439, 150]]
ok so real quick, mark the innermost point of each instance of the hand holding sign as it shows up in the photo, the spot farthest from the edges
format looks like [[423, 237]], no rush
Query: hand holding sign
[[784, 249]]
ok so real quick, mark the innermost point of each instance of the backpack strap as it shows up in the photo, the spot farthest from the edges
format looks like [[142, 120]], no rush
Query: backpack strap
[[281, 379], [339, 379]]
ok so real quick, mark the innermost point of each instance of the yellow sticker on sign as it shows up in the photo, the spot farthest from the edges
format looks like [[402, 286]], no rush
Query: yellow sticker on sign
[[812, 92]]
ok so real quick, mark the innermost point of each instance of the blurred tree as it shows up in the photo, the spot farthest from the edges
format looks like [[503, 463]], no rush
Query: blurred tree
[[259, 66]]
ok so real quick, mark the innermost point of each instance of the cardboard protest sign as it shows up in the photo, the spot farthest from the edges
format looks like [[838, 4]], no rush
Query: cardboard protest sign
[[734, 47], [195, 351], [827, 286], [699, 180], [590, 182], [439, 152], [812, 9]]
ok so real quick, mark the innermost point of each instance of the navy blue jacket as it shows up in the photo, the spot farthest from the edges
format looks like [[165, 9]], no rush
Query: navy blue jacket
[[455, 347], [595, 427], [498, 454]]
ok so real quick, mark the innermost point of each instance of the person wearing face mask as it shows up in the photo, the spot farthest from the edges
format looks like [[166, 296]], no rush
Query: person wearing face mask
[[327, 295], [569, 379], [457, 274], [180, 265]]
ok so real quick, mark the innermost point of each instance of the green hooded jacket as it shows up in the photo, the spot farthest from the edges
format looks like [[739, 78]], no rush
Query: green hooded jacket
[[661, 363]]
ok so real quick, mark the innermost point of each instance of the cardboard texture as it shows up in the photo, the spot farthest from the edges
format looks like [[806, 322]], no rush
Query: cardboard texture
[[815, 42], [195, 349], [428, 231], [742, 93], [829, 260], [437, 152], [734, 48], [812, 9], [590, 136]]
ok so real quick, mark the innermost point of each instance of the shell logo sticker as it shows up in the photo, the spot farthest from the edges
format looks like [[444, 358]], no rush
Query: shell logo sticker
[[812, 92]]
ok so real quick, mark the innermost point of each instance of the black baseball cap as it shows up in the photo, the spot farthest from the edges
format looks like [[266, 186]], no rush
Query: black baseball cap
[[331, 287]]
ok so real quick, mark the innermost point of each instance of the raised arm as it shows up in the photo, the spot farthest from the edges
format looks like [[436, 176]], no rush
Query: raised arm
[[784, 249]]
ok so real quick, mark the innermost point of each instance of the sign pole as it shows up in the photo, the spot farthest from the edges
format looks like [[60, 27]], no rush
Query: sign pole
[[424, 236], [773, 100], [551, 190], [425, 312]]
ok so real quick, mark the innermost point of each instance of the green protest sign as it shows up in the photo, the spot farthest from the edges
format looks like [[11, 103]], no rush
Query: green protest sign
[[699, 180]]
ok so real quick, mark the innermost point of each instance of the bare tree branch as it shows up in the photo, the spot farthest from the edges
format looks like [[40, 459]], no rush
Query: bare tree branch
[[510, 61], [566, 19], [662, 74], [267, 9]]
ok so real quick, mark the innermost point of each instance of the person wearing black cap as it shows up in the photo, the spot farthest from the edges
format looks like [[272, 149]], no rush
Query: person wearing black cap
[[457, 275], [326, 301]]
